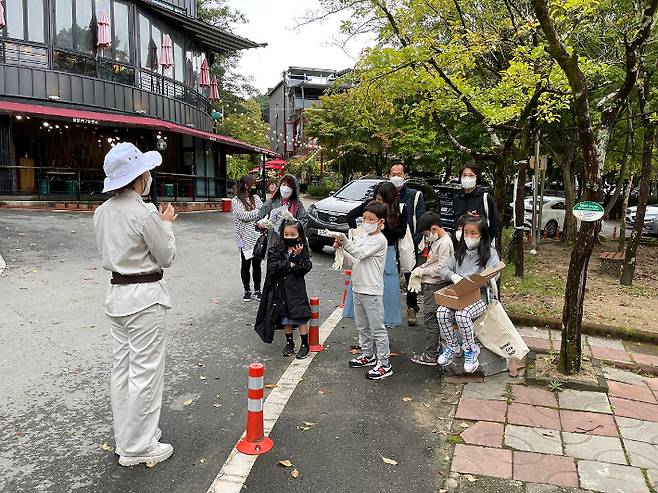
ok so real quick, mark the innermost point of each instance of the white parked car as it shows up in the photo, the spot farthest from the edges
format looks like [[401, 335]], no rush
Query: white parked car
[[650, 219], [552, 216]]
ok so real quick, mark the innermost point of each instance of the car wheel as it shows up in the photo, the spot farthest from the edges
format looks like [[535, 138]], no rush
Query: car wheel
[[552, 228], [316, 246]]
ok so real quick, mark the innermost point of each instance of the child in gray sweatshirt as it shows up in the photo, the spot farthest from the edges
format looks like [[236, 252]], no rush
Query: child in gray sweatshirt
[[473, 254], [368, 258]]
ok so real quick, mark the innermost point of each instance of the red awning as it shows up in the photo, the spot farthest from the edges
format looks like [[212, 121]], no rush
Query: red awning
[[97, 118]]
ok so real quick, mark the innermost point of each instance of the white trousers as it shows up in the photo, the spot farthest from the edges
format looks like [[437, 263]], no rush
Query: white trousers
[[138, 361]]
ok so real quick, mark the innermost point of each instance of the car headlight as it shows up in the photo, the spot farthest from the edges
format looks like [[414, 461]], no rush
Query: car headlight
[[651, 220], [312, 210]]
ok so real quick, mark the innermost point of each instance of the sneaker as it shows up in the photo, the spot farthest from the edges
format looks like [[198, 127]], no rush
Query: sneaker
[[411, 317], [362, 360], [157, 435], [471, 362], [258, 295], [303, 352], [445, 358], [379, 372], [247, 296], [423, 359], [161, 452], [289, 349]]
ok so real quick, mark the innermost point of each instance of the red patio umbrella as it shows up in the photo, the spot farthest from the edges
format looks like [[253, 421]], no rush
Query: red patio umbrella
[[104, 35], [166, 52], [2, 16], [213, 93], [204, 75]]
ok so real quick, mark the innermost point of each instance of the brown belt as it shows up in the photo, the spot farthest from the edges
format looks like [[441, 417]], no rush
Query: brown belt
[[137, 279]]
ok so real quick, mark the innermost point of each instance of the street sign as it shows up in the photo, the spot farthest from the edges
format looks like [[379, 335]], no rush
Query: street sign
[[588, 211]]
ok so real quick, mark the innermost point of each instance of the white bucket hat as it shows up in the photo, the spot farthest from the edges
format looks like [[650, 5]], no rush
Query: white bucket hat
[[125, 162]]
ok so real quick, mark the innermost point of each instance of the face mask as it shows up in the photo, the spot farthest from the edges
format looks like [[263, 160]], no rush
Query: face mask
[[468, 182], [458, 234], [398, 181], [147, 188], [252, 191], [291, 242], [432, 237], [471, 242], [370, 228], [286, 191]]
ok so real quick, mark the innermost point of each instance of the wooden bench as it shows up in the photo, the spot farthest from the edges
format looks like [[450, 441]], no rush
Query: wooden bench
[[611, 262]]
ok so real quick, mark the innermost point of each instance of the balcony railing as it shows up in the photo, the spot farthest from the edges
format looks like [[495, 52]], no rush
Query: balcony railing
[[33, 55]]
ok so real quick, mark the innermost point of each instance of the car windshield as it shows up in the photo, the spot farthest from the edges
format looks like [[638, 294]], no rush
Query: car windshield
[[358, 190]]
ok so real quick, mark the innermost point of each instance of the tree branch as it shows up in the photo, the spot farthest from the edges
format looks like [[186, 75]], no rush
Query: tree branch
[[477, 155]]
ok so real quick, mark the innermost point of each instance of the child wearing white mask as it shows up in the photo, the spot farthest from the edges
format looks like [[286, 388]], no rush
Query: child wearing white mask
[[287, 194], [473, 254]]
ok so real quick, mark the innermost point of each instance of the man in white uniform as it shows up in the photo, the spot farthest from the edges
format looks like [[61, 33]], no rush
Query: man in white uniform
[[136, 241]]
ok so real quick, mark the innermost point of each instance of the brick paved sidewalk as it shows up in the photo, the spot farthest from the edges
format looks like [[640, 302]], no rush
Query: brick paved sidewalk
[[534, 440]]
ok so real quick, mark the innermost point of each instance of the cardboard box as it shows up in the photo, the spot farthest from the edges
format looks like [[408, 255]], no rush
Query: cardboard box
[[467, 291]]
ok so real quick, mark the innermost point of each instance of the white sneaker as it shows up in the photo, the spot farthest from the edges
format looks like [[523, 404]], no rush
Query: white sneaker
[[157, 435], [471, 362], [160, 453]]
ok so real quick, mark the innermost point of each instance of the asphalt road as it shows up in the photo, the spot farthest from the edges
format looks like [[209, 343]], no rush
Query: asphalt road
[[55, 362]]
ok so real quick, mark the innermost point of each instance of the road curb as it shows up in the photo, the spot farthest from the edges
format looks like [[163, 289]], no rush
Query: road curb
[[600, 330]]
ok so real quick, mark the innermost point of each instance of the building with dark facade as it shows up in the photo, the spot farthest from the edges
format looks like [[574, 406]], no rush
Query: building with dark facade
[[300, 88], [64, 100]]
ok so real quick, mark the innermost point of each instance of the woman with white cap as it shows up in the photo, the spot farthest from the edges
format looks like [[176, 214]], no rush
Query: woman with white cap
[[136, 241]]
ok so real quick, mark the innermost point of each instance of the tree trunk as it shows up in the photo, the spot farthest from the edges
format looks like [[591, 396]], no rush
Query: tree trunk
[[519, 212], [634, 242], [622, 222], [624, 165], [500, 190], [569, 180]]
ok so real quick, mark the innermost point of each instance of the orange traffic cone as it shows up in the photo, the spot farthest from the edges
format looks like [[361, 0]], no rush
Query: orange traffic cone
[[314, 327], [348, 278], [255, 442]]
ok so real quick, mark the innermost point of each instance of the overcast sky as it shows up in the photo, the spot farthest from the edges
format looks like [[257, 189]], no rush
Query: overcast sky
[[273, 22]]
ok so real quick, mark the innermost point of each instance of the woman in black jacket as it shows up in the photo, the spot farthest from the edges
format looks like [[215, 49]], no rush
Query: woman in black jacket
[[285, 303], [470, 201]]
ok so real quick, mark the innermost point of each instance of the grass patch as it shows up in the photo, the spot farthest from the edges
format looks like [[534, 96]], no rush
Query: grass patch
[[455, 439], [535, 283]]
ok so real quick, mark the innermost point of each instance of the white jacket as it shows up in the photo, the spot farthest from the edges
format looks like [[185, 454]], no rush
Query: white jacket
[[367, 255]]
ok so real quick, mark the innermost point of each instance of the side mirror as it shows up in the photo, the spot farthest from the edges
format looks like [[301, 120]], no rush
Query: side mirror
[[331, 193]]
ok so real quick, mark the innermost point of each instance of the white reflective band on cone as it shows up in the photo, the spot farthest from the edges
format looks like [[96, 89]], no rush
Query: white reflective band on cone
[[255, 405], [256, 383]]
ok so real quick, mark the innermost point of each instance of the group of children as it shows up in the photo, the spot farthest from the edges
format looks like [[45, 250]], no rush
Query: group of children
[[286, 303]]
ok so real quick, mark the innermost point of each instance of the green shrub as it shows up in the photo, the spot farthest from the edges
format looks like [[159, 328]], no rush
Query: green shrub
[[321, 189]]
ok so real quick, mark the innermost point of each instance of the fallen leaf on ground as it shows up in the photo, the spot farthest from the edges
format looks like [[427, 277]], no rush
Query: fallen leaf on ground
[[270, 386], [202, 377], [309, 423], [200, 364], [304, 428], [188, 402], [202, 461], [393, 354], [295, 473], [215, 301], [106, 446], [407, 399], [321, 392], [389, 461], [285, 463], [216, 405], [356, 351], [471, 478], [426, 404], [464, 425]]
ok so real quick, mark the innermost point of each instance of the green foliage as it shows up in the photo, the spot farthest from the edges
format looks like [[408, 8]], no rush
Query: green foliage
[[555, 386]]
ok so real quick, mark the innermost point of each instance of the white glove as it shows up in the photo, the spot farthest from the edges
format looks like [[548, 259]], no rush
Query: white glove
[[339, 259], [455, 278], [414, 285], [417, 272], [265, 223], [287, 216]]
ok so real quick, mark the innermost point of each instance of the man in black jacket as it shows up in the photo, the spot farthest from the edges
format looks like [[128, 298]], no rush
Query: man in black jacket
[[398, 174]]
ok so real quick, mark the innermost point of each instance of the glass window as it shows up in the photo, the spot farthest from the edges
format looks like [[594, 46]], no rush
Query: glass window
[[156, 46], [144, 38], [85, 22], [35, 30], [14, 19], [100, 5], [64, 24], [121, 41], [358, 190]]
